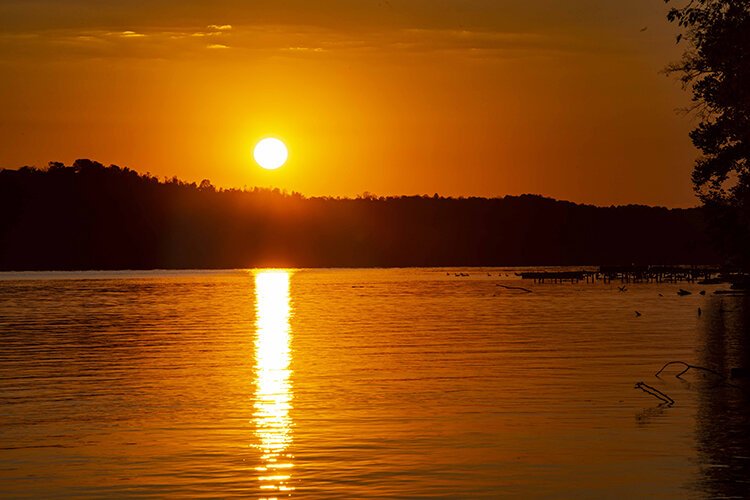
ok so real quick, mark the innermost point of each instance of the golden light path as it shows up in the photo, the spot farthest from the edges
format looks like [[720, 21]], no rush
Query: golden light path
[[273, 395]]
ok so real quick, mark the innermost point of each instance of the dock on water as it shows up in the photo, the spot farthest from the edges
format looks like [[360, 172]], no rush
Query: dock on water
[[626, 274], [558, 276]]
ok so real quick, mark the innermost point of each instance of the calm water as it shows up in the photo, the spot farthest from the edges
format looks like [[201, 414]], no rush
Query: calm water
[[365, 383]]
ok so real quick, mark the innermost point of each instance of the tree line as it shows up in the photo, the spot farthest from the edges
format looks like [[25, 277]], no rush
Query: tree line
[[88, 216]]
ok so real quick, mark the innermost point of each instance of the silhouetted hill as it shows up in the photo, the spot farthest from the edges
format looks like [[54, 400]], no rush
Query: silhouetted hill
[[93, 217]]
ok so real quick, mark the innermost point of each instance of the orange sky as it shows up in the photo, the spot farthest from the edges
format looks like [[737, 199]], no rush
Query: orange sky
[[459, 97]]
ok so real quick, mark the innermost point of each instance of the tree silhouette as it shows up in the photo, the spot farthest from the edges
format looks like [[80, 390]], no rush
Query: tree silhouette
[[88, 216], [715, 67]]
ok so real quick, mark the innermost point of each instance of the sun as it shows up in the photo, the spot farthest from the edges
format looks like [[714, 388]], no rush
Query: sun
[[270, 153]]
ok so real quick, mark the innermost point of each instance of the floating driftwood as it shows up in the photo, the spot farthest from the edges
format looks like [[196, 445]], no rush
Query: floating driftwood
[[515, 288], [655, 393], [688, 366], [722, 378], [668, 401]]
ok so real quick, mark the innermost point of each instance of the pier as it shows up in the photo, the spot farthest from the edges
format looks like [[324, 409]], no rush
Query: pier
[[627, 274], [558, 276]]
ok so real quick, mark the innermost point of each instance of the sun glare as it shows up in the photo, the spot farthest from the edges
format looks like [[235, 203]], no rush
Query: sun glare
[[270, 153], [273, 394]]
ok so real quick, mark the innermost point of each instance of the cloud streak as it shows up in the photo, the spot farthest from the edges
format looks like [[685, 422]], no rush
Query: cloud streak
[[490, 28], [144, 43], [281, 39]]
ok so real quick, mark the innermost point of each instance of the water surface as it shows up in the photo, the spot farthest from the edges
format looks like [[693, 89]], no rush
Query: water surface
[[365, 383]]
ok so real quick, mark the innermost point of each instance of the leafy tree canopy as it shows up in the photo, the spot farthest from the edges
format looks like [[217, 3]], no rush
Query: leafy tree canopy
[[715, 67]]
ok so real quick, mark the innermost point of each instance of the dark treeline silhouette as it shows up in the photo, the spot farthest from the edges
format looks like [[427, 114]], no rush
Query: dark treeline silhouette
[[88, 216]]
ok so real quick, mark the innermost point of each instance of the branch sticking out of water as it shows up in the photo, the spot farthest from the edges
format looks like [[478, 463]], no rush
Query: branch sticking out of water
[[687, 367], [515, 288], [655, 393]]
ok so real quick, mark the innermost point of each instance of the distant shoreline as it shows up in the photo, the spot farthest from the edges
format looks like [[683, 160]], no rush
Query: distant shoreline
[[88, 216]]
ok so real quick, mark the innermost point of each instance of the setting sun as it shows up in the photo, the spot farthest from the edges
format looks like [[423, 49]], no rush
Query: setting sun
[[270, 153], [392, 248]]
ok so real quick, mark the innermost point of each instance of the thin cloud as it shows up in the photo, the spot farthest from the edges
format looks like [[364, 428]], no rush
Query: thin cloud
[[268, 40], [131, 34], [304, 49]]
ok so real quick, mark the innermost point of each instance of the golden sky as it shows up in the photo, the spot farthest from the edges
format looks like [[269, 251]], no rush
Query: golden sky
[[458, 97]]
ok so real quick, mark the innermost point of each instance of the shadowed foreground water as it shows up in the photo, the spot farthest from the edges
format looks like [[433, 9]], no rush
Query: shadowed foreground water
[[365, 383]]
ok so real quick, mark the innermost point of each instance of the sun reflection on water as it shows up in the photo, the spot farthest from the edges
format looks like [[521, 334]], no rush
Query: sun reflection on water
[[273, 395]]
